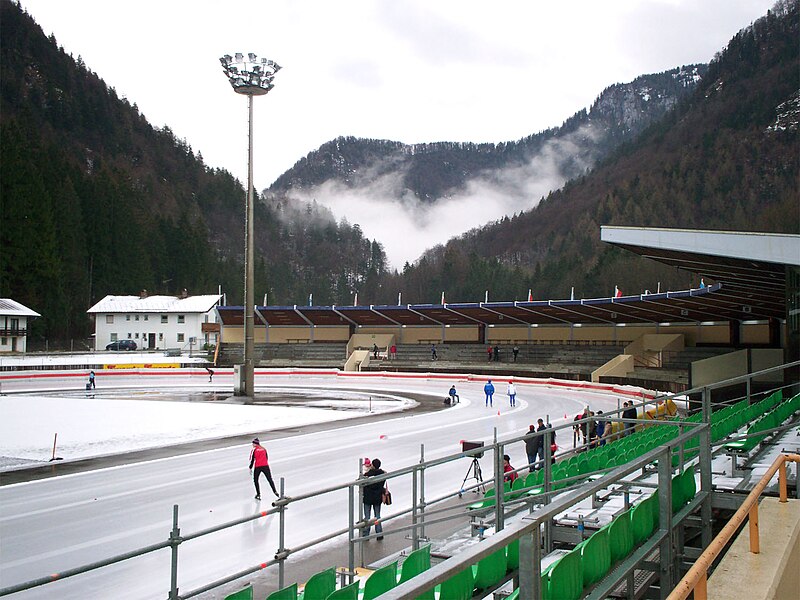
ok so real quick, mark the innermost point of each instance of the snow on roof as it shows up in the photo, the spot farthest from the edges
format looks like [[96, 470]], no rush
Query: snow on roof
[[155, 304], [15, 309]]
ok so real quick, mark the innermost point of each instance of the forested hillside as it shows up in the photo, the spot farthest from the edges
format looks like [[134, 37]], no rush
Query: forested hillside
[[725, 159], [435, 170], [95, 201]]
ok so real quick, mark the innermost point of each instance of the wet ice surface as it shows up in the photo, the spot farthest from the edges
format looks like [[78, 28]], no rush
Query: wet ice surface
[[102, 422]]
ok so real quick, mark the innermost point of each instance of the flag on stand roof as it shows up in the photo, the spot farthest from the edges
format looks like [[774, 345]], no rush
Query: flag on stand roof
[[530, 295], [442, 298], [355, 300], [617, 292]]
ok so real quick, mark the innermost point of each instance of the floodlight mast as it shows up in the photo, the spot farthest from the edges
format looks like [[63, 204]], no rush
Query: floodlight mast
[[250, 77]]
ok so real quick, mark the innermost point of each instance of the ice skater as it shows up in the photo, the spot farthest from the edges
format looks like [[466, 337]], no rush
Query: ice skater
[[210, 374], [512, 393], [259, 460], [91, 380], [489, 391]]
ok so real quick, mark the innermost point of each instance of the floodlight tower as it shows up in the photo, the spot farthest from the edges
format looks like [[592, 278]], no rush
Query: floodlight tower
[[250, 77]]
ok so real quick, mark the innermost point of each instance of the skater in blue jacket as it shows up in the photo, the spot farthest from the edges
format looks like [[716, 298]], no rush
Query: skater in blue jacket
[[489, 390]]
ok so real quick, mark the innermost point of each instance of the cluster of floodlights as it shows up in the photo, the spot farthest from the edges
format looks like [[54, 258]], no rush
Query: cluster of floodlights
[[250, 75]]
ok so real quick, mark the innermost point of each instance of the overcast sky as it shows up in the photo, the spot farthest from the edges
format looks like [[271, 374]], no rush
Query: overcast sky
[[412, 71]]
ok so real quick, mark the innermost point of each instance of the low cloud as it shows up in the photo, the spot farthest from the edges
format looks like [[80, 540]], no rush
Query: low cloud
[[406, 227]]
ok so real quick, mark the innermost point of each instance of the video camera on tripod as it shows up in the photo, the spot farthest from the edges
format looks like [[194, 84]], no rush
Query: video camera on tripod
[[467, 446], [474, 471]]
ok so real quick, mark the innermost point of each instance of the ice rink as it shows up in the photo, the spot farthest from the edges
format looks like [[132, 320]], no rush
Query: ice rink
[[48, 525]]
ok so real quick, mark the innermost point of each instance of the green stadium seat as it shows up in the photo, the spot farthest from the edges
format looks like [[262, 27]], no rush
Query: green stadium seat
[[348, 592], [512, 556], [381, 581], [566, 577], [287, 593], [490, 570], [414, 564], [320, 585], [243, 594], [458, 587], [641, 523], [595, 557], [620, 536]]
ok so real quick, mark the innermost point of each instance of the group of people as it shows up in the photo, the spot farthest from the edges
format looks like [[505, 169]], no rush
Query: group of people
[[593, 430], [376, 352], [489, 390], [493, 353]]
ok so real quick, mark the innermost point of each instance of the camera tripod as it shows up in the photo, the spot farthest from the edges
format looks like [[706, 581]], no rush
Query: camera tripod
[[474, 472]]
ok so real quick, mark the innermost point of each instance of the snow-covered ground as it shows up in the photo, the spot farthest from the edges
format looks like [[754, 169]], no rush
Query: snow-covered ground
[[125, 419], [89, 427], [96, 358]]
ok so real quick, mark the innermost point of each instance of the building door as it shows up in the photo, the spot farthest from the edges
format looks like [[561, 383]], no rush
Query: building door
[[13, 343], [151, 340]]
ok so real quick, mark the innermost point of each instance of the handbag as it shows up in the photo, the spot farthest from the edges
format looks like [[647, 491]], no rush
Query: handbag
[[386, 497]]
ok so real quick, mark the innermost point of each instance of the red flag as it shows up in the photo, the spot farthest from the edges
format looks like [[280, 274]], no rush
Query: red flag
[[442, 298], [530, 296], [617, 292]]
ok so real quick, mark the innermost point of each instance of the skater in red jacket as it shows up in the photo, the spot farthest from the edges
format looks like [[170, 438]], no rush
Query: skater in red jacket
[[258, 459]]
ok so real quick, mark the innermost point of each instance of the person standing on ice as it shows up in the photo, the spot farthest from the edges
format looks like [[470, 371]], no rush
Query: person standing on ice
[[258, 459], [91, 379], [512, 393], [489, 391]]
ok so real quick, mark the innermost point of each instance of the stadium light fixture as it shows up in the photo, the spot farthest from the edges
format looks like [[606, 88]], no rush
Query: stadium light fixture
[[249, 77]]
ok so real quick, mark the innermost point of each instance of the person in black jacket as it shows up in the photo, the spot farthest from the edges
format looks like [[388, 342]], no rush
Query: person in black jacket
[[373, 497], [629, 413]]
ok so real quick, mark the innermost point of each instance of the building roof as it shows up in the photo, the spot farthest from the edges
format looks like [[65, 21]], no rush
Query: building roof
[[12, 308], [751, 267], [746, 273], [156, 304]]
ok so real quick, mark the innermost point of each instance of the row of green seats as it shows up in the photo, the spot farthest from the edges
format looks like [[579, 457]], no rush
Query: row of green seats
[[591, 560], [730, 419], [584, 463], [769, 421]]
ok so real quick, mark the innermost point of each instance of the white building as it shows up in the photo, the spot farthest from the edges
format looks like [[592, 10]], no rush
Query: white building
[[14, 325], [157, 322]]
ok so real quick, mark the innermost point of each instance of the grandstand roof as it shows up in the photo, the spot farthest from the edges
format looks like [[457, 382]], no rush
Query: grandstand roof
[[748, 271]]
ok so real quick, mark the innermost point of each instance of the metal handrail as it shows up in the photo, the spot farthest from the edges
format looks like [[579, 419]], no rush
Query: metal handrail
[[696, 579]]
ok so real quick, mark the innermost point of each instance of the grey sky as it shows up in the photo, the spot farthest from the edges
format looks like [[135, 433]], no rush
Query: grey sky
[[412, 71]]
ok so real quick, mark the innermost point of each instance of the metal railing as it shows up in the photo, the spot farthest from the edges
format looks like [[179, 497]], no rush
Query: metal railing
[[696, 579]]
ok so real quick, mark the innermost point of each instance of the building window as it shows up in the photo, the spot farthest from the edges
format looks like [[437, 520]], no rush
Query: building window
[[129, 335], [160, 337], [136, 317], [136, 335], [127, 317], [181, 319], [4, 341], [109, 319], [164, 318], [146, 317], [180, 337], [113, 337]]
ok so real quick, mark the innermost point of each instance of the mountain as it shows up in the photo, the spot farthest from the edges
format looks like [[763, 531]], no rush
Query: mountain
[[96, 201], [725, 158], [437, 170]]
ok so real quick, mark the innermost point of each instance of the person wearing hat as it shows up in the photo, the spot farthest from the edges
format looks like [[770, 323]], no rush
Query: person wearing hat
[[258, 459]]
